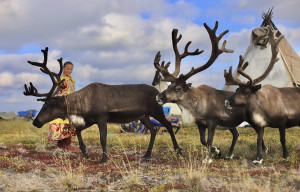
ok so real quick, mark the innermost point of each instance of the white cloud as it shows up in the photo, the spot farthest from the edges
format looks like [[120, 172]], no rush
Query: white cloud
[[36, 79], [17, 63], [122, 29], [239, 41], [128, 74], [110, 41], [215, 79], [6, 79], [18, 102], [283, 11], [12, 100], [292, 35], [86, 72]]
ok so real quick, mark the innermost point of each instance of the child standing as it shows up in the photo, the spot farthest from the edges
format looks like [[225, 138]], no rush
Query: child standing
[[59, 129]]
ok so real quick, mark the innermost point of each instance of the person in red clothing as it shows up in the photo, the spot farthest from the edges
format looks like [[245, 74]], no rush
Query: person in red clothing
[[60, 129]]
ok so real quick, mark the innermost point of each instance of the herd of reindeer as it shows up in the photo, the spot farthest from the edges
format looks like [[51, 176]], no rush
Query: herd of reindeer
[[207, 107]]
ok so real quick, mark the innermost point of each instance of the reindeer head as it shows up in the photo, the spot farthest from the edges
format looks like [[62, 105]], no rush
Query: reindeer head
[[247, 89], [50, 109], [178, 88]]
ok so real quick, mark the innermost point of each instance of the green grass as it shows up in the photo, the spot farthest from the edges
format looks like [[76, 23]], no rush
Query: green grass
[[124, 172], [19, 131]]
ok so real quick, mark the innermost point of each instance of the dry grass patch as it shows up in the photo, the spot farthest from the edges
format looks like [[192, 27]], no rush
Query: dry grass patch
[[29, 162]]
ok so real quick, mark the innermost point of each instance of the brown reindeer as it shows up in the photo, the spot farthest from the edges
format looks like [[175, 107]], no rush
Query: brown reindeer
[[265, 106], [99, 104], [203, 105]]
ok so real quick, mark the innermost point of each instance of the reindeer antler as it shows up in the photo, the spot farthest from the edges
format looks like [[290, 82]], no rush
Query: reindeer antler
[[178, 57], [163, 69], [215, 53], [274, 48], [230, 80], [56, 81]]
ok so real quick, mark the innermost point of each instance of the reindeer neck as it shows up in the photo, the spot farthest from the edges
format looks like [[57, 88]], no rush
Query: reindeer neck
[[67, 107], [69, 104], [59, 102], [196, 100], [188, 101], [77, 103]]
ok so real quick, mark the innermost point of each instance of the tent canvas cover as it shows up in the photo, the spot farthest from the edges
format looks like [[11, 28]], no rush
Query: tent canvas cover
[[286, 71]]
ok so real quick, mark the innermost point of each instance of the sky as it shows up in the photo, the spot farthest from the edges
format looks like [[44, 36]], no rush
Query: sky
[[115, 41]]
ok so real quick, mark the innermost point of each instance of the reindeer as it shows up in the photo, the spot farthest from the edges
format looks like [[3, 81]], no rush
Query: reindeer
[[265, 106], [203, 105], [158, 82], [99, 104]]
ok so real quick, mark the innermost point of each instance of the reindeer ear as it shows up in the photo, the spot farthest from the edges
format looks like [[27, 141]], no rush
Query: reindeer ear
[[187, 86], [256, 88]]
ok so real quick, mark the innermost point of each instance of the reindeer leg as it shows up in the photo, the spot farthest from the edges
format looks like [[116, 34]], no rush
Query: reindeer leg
[[168, 125], [211, 132], [235, 135], [102, 125], [202, 132], [264, 147], [260, 136], [282, 140], [82, 146], [146, 121]]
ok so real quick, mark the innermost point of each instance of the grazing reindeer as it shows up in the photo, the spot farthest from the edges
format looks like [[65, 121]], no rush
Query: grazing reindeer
[[265, 106], [203, 105], [99, 104]]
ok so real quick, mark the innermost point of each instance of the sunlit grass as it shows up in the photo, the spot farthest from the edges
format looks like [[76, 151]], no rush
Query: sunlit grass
[[20, 131], [171, 173]]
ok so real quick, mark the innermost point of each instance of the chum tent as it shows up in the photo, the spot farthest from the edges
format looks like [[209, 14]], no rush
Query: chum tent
[[286, 71]]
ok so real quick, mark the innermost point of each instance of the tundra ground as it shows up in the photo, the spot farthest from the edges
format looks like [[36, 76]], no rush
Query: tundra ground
[[28, 162]]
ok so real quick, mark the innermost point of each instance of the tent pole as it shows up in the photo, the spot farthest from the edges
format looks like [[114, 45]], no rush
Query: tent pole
[[288, 68]]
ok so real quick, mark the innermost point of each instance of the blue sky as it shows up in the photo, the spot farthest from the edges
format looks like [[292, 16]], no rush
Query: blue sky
[[115, 41]]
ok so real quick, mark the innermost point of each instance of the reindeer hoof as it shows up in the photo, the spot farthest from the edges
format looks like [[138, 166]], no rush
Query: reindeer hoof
[[178, 151], [103, 160], [285, 156], [85, 151], [206, 161], [266, 150], [256, 162], [218, 155], [228, 158], [144, 159], [215, 150]]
